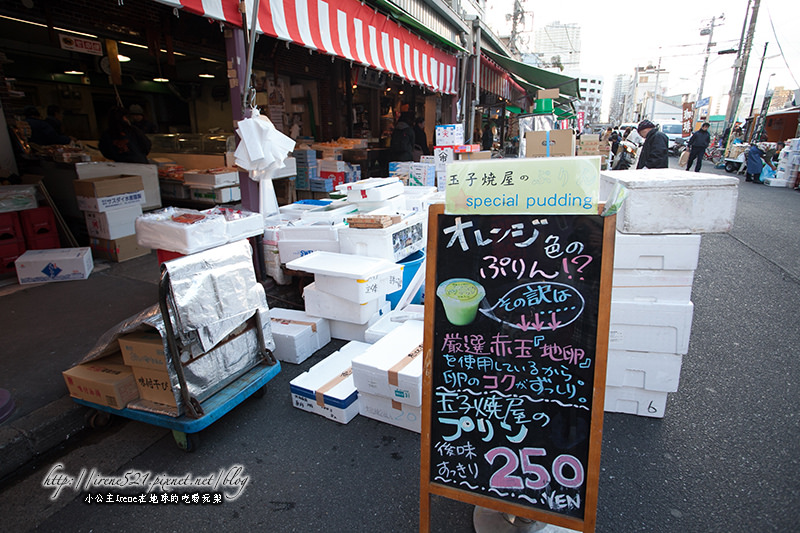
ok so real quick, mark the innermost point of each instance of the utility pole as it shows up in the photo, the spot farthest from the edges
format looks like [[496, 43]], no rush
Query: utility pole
[[655, 92], [517, 19], [710, 31], [735, 94], [758, 79]]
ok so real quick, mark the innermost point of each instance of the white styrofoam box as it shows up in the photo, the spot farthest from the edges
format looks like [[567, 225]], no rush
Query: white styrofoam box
[[656, 252], [635, 401], [273, 224], [392, 367], [650, 326], [389, 411], [108, 203], [352, 277], [59, 264], [663, 201], [334, 213], [390, 188], [450, 134], [793, 144], [222, 195], [272, 262], [396, 203], [304, 205], [652, 285], [392, 321], [394, 243], [149, 174], [326, 305], [348, 331], [441, 180], [777, 182], [645, 370], [297, 335], [239, 224], [319, 326], [444, 155], [307, 230], [418, 198], [185, 231], [211, 178], [113, 224], [327, 388], [291, 249]]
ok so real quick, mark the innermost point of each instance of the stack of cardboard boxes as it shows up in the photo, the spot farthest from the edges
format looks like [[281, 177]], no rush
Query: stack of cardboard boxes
[[213, 185], [111, 205]]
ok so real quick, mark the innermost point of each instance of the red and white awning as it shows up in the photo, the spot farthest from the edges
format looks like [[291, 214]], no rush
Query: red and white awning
[[344, 28], [496, 80]]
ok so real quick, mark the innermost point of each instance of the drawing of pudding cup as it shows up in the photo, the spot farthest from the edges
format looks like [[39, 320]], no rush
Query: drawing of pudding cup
[[461, 298]]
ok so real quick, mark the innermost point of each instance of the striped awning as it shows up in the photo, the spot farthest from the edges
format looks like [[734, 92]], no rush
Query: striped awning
[[346, 29], [497, 81]]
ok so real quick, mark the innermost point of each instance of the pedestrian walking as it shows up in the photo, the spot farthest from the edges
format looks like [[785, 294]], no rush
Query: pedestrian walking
[[698, 142]]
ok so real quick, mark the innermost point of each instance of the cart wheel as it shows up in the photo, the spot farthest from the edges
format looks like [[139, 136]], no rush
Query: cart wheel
[[187, 442], [97, 419], [730, 167], [260, 392]]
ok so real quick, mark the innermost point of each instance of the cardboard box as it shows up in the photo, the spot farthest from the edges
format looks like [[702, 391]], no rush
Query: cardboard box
[[144, 350], [118, 250], [109, 203], [59, 264], [392, 367], [547, 93], [443, 155], [104, 382], [389, 411], [212, 178], [666, 201], [223, 195], [113, 224], [108, 186], [467, 156], [466, 148], [449, 134], [154, 385], [550, 143]]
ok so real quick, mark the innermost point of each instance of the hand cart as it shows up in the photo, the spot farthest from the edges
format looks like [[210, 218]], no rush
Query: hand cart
[[198, 415]]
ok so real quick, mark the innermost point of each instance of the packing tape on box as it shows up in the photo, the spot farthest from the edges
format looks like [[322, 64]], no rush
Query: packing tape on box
[[287, 321], [401, 364], [320, 394], [397, 406]]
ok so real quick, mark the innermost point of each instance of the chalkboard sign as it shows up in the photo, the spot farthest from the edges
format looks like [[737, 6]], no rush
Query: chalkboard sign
[[515, 358]]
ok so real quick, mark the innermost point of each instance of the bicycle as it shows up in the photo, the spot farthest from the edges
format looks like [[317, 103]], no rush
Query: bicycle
[[713, 154]]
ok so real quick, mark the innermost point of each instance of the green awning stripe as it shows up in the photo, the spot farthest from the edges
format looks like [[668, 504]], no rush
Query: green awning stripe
[[537, 77]]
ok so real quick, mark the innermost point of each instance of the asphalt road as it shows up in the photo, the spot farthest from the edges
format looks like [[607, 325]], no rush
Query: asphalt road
[[723, 459]]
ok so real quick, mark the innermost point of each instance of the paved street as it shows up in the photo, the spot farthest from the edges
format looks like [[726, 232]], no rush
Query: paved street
[[723, 459]]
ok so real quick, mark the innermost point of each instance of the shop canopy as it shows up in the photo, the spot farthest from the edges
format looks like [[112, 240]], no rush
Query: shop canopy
[[346, 29], [537, 77]]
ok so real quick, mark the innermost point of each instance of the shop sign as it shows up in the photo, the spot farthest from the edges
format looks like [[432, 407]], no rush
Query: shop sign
[[686, 119], [80, 44], [370, 78]]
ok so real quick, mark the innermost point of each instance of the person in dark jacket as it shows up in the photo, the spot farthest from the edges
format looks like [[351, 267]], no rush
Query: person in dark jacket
[[54, 117], [42, 132], [487, 140], [697, 145], [420, 137], [121, 142], [655, 150], [755, 160], [401, 147]]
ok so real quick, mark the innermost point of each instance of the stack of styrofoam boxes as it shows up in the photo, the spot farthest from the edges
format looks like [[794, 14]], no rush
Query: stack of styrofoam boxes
[[111, 206], [418, 198], [392, 320], [13, 200], [327, 389], [213, 185], [400, 170], [375, 193], [657, 247], [332, 172], [388, 377], [316, 229], [422, 174], [788, 164], [297, 335], [272, 258], [350, 291], [306, 168]]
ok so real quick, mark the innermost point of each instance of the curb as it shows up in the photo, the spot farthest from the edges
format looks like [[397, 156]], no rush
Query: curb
[[38, 432]]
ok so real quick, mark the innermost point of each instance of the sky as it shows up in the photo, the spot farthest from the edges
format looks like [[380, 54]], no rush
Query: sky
[[617, 37]]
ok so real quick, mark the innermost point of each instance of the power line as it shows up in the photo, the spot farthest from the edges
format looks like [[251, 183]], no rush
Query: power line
[[769, 15]]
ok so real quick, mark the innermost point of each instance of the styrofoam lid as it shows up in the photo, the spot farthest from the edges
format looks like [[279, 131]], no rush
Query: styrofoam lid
[[368, 183], [341, 265], [667, 178]]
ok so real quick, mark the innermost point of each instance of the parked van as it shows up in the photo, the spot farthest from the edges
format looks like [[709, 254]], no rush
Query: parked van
[[673, 130]]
